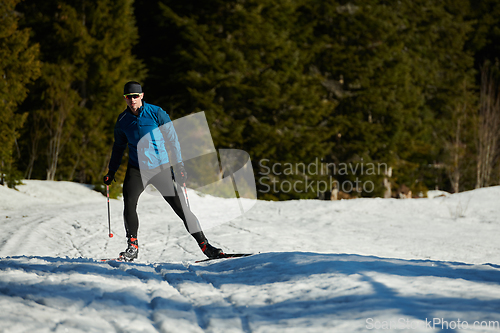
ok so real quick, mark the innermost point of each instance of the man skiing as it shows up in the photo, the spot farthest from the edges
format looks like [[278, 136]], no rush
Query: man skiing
[[146, 129]]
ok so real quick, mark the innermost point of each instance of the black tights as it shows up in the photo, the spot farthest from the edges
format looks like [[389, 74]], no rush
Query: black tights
[[133, 188]]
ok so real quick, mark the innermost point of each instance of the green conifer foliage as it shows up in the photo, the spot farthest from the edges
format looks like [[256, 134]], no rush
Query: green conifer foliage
[[369, 73], [397, 71], [18, 67], [447, 81], [86, 51], [484, 44], [246, 64], [386, 92]]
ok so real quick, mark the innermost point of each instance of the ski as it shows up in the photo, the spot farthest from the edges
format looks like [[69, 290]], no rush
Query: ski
[[114, 259], [227, 256]]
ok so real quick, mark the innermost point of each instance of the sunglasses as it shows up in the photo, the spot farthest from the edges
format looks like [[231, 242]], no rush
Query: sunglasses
[[131, 96]]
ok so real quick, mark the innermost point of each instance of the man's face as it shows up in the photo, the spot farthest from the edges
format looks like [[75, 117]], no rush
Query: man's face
[[134, 101]]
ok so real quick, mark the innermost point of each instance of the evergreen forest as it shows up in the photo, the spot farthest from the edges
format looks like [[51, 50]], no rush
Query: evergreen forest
[[373, 94]]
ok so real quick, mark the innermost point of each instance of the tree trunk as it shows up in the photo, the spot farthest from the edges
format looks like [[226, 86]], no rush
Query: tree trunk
[[489, 127], [387, 183], [55, 148], [455, 176]]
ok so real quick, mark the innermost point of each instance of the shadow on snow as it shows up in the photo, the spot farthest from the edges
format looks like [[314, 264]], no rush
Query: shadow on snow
[[265, 270]]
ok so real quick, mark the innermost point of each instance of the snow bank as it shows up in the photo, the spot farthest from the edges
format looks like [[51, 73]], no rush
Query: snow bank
[[354, 265]]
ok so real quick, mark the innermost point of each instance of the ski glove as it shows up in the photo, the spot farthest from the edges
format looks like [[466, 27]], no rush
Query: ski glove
[[109, 177], [180, 173]]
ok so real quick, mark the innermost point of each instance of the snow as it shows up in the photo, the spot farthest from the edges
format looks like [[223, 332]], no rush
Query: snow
[[361, 265]]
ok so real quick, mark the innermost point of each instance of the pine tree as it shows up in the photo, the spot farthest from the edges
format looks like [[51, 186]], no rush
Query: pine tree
[[397, 71], [448, 85], [484, 43], [54, 107], [365, 58], [247, 65], [488, 127], [18, 67], [111, 27], [86, 49]]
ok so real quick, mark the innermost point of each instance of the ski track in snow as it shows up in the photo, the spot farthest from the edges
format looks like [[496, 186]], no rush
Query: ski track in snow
[[348, 266]]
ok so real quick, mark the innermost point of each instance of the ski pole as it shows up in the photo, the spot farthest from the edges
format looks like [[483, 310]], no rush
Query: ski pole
[[186, 194], [109, 215]]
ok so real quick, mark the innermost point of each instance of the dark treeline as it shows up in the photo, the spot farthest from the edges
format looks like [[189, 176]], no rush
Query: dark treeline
[[374, 93]]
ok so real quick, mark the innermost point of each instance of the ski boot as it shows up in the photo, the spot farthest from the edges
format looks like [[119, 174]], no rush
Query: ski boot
[[211, 251], [132, 250]]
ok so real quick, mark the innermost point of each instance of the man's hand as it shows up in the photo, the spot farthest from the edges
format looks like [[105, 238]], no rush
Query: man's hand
[[180, 173], [109, 177]]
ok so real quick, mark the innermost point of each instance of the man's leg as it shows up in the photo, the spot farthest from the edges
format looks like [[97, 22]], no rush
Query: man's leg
[[180, 207], [132, 189], [173, 195]]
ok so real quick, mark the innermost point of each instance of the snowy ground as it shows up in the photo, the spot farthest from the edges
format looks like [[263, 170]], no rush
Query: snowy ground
[[348, 266]]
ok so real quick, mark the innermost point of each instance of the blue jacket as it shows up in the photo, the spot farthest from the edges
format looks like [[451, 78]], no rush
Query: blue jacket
[[146, 135]]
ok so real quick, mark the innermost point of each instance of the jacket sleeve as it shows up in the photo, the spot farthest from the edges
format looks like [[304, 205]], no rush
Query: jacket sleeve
[[119, 147], [170, 136]]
